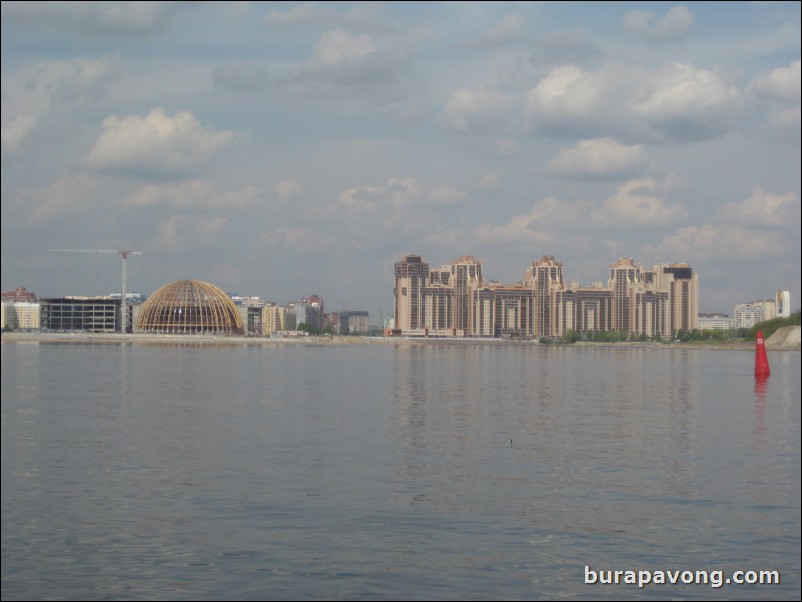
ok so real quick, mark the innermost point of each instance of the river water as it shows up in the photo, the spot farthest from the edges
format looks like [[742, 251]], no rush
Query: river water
[[394, 471]]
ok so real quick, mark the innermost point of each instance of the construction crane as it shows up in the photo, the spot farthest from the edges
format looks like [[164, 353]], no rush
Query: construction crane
[[123, 299]]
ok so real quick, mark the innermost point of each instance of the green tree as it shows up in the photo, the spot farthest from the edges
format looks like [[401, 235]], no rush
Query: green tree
[[571, 336], [769, 327]]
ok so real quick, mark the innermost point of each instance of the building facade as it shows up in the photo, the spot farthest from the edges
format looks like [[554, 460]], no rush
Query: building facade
[[749, 314], [82, 314], [783, 304], [455, 301]]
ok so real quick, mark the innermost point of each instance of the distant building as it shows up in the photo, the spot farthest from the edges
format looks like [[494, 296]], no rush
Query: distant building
[[189, 307], [783, 303], [353, 322], [314, 311], [276, 318], [715, 322], [754, 312], [20, 295], [91, 314], [455, 300]]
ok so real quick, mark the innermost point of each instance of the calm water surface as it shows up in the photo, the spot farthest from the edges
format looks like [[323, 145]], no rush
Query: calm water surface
[[443, 471]]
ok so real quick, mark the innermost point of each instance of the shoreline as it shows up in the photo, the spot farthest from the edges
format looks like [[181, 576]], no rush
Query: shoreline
[[115, 338]]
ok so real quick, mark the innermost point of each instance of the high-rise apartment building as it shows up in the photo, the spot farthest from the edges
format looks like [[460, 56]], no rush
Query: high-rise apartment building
[[682, 285], [749, 314], [313, 311], [411, 276], [454, 300]]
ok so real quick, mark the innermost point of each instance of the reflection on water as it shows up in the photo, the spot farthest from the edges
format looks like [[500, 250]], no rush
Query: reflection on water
[[427, 471]]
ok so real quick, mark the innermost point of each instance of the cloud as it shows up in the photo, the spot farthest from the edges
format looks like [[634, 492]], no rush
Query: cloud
[[306, 12], [68, 193], [571, 47], [156, 143], [195, 193], [546, 222], [287, 189], [241, 79], [782, 83], [97, 18], [37, 87], [490, 182], [446, 195], [780, 90], [725, 242], [682, 101], [786, 120], [598, 157], [511, 30], [483, 109], [356, 66], [184, 231], [674, 103], [397, 192], [763, 210], [673, 27], [550, 219], [15, 131], [633, 206], [301, 237]]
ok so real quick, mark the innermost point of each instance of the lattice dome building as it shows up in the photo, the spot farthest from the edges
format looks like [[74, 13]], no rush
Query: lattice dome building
[[189, 307]]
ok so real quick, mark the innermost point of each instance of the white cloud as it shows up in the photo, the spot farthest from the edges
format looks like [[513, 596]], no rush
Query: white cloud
[[727, 242], [506, 147], [782, 83], [483, 109], [306, 12], [780, 90], [356, 67], [68, 193], [676, 102], [633, 206], [490, 182], [157, 143], [241, 79], [194, 193], [546, 222], [182, 231], [788, 120], [673, 27], [97, 18], [287, 189], [397, 192], [682, 97], [509, 31], [550, 218], [763, 210], [446, 195], [15, 131], [338, 46], [37, 87], [293, 237], [598, 157]]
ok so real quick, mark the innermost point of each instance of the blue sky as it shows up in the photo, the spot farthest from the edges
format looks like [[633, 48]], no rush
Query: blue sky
[[285, 149]]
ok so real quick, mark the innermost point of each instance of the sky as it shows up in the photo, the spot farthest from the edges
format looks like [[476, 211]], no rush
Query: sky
[[286, 149]]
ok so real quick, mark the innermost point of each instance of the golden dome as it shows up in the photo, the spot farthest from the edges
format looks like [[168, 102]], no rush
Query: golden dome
[[189, 307]]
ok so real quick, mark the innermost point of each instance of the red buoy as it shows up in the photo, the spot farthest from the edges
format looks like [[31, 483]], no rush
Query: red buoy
[[761, 360]]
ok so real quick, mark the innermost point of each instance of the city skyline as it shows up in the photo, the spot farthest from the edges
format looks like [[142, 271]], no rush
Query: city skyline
[[457, 300], [280, 148]]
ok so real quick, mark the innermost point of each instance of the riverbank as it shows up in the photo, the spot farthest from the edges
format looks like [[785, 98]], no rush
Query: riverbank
[[112, 338]]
